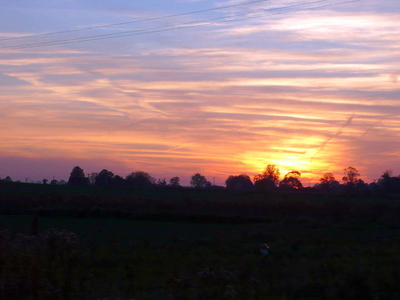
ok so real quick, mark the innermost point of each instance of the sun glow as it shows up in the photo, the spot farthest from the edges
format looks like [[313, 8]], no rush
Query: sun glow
[[288, 160]]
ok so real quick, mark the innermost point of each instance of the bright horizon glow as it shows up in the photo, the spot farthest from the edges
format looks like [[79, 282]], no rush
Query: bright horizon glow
[[314, 91]]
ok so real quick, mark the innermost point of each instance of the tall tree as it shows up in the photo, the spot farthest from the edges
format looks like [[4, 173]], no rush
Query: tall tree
[[389, 183], [104, 178], [199, 181], [267, 179], [174, 182], [77, 177], [328, 181], [351, 175]]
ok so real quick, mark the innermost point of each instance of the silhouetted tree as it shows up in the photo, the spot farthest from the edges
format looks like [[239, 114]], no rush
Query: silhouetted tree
[[199, 181], [174, 182], [140, 179], [386, 176], [241, 182], [54, 182], [77, 177], [268, 179], [360, 183], [8, 179], [374, 188], [104, 178], [161, 182], [351, 175], [389, 183], [45, 181], [119, 181], [291, 181], [328, 181]]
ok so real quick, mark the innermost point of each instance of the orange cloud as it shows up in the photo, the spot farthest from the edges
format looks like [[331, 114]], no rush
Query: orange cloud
[[233, 103]]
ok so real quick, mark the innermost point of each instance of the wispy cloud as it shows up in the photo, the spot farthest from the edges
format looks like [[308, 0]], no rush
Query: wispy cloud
[[219, 100]]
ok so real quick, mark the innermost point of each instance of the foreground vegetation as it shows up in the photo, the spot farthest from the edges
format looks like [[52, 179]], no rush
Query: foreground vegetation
[[63, 243]]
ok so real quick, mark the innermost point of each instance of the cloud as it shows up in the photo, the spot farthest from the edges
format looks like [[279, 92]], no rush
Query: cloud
[[219, 100], [395, 78]]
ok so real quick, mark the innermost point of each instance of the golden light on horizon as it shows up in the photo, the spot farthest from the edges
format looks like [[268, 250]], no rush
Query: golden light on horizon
[[312, 158]]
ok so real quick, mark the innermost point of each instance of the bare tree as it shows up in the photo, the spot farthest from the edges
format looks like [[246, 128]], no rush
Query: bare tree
[[268, 178], [351, 175], [161, 182]]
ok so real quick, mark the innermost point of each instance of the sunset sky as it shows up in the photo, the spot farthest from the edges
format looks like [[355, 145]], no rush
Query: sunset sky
[[218, 87]]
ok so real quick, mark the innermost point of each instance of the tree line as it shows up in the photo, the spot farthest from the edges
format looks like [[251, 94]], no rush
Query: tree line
[[268, 179], [137, 179]]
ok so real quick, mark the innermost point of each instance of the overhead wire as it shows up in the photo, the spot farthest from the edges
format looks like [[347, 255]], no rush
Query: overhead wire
[[135, 21], [185, 25], [127, 32]]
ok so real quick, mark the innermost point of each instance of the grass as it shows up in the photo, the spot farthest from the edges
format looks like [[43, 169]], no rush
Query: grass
[[91, 243], [176, 260]]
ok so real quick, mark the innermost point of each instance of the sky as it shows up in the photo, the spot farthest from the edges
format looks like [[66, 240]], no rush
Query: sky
[[178, 87]]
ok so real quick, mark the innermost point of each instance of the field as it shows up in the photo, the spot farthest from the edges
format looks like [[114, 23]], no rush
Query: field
[[142, 248]]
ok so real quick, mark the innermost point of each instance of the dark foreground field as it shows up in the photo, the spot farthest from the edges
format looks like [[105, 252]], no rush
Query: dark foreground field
[[115, 255]]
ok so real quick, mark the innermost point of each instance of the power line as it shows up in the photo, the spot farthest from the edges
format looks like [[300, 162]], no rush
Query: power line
[[124, 33], [149, 29], [164, 28], [135, 21], [173, 27]]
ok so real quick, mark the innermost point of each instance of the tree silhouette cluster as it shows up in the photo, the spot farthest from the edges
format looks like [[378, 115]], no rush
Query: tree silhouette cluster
[[106, 178], [199, 181], [268, 179], [137, 179]]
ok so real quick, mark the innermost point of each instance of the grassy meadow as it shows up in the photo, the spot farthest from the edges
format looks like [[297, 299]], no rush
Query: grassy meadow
[[188, 244]]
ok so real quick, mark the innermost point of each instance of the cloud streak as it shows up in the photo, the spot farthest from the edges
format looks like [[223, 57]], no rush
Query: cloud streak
[[219, 100], [338, 132]]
